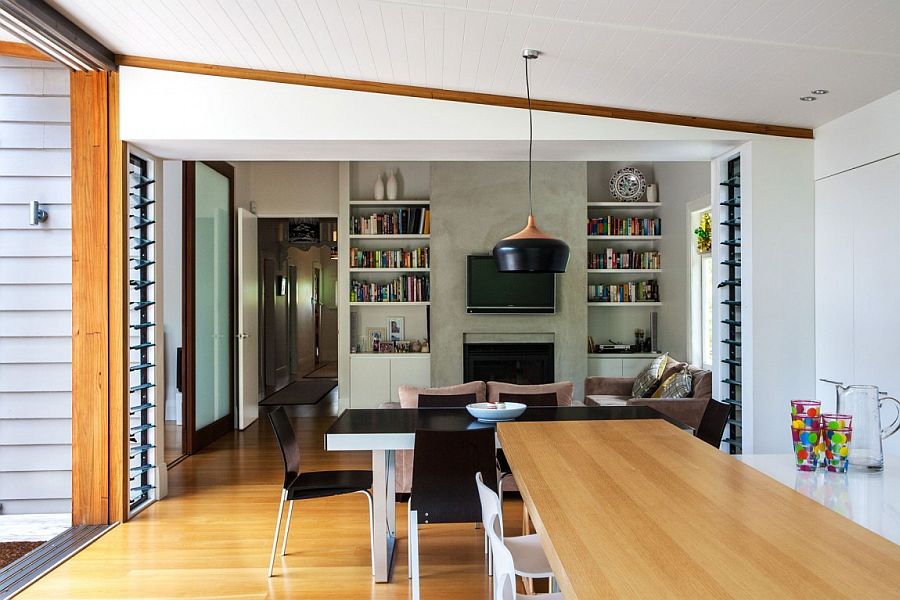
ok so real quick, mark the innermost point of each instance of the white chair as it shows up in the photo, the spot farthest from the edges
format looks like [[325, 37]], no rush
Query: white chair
[[527, 555], [505, 569]]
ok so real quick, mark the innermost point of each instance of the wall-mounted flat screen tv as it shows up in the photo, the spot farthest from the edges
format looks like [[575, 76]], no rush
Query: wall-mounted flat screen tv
[[490, 291]]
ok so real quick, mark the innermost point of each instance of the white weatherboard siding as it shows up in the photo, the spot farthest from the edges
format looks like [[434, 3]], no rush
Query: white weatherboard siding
[[35, 290]]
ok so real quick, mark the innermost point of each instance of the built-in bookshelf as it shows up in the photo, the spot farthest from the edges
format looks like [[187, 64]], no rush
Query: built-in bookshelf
[[388, 261], [623, 259]]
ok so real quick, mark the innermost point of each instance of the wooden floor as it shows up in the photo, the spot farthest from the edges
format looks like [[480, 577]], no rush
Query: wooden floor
[[211, 537]]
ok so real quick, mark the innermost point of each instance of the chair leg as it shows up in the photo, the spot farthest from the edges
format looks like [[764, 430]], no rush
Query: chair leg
[[287, 527], [414, 552], [371, 527], [277, 530], [526, 527]]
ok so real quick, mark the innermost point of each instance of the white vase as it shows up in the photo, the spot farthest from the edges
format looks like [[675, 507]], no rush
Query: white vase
[[652, 193], [379, 187], [391, 185]]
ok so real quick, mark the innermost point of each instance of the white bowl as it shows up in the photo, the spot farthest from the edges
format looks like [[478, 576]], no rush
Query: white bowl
[[488, 412]]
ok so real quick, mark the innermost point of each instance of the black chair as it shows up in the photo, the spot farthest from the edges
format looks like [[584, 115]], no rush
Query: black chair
[[443, 482], [712, 423], [541, 399], [446, 400], [314, 484]]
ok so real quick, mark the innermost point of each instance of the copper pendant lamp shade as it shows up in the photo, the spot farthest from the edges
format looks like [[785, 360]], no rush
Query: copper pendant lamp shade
[[531, 250]]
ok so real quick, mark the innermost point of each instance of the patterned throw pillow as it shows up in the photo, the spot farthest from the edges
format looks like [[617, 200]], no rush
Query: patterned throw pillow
[[677, 385], [649, 378]]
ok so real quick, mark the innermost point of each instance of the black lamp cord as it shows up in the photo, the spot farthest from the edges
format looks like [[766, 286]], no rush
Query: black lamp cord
[[530, 139]]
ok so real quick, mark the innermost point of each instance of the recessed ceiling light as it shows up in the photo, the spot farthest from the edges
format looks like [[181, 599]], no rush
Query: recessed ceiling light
[[819, 92], [808, 98]]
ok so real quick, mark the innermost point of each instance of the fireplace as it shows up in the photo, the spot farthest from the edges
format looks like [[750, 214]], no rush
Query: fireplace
[[524, 364]]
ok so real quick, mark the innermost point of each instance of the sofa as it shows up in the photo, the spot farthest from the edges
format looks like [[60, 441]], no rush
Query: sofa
[[484, 392], [616, 391]]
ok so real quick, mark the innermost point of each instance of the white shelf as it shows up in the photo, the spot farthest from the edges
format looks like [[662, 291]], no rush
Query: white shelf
[[390, 303], [617, 271], [624, 238], [398, 236], [628, 205], [390, 270], [391, 203], [622, 304]]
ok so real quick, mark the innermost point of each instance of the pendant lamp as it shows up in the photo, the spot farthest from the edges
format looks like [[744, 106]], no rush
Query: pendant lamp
[[531, 250]]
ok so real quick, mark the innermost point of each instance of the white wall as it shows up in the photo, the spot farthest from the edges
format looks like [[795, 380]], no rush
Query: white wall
[[35, 289], [289, 189], [858, 250], [680, 184], [172, 284]]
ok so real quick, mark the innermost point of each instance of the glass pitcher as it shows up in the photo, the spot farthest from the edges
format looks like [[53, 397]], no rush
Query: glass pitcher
[[864, 403]]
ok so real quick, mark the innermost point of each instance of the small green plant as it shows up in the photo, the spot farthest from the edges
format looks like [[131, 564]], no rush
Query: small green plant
[[704, 234]]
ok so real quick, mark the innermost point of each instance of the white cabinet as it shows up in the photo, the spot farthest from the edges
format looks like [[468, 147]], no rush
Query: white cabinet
[[374, 378], [618, 365], [409, 370], [858, 279]]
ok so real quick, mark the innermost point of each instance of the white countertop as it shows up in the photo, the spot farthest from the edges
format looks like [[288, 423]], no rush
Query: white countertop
[[869, 499]]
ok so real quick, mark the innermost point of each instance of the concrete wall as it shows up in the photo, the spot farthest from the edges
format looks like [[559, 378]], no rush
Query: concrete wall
[[35, 289], [474, 205]]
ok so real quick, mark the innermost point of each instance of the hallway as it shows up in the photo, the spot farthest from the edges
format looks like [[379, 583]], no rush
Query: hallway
[[211, 537]]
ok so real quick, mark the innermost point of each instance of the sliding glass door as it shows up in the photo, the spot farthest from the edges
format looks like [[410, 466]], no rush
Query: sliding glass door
[[209, 291]]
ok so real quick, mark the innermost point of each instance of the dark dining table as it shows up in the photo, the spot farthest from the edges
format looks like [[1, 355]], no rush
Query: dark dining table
[[383, 431]]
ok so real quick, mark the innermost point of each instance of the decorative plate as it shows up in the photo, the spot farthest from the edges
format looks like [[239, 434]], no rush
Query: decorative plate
[[628, 184]]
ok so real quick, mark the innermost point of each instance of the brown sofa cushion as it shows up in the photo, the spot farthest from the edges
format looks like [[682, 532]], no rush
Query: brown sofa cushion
[[562, 389], [409, 395]]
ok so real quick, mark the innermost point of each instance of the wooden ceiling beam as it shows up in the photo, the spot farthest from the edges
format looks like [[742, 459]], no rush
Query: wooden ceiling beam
[[20, 50], [394, 89]]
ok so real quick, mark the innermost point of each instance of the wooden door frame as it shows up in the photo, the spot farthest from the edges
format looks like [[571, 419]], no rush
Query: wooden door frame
[[197, 440]]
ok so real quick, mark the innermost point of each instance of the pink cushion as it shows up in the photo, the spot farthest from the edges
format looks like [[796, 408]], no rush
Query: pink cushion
[[562, 389], [409, 395]]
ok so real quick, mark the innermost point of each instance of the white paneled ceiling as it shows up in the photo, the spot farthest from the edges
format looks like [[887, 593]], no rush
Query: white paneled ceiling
[[749, 60]]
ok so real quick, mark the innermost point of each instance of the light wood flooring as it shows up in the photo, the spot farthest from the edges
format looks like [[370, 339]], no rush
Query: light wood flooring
[[211, 537]]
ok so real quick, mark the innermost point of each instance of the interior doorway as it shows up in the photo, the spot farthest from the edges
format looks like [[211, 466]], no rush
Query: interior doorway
[[298, 307]]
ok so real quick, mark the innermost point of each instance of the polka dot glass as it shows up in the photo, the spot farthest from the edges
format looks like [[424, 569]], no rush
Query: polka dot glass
[[837, 421], [806, 408], [837, 449], [808, 444]]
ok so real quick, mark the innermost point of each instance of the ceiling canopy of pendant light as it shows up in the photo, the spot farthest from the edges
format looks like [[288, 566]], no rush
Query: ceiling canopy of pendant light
[[531, 250]]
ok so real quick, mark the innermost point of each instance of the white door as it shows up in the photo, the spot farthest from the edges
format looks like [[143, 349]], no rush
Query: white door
[[247, 318]]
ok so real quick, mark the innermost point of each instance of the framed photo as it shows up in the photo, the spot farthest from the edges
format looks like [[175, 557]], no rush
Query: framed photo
[[374, 337], [395, 329]]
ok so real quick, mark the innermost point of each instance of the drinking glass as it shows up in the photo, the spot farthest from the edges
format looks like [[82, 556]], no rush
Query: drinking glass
[[807, 444], [837, 449]]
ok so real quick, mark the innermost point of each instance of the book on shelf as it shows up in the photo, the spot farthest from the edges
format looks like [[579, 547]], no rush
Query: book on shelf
[[397, 222], [406, 288], [633, 291], [415, 258], [636, 226], [613, 259]]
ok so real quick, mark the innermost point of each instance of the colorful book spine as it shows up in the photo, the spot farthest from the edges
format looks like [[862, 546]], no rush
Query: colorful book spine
[[612, 259], [404, 221], [407, 288], [417, 258], [631, 226], [633, 291]]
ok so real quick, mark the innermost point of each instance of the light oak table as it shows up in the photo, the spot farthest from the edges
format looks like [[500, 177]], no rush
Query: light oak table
[[641, 509]]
